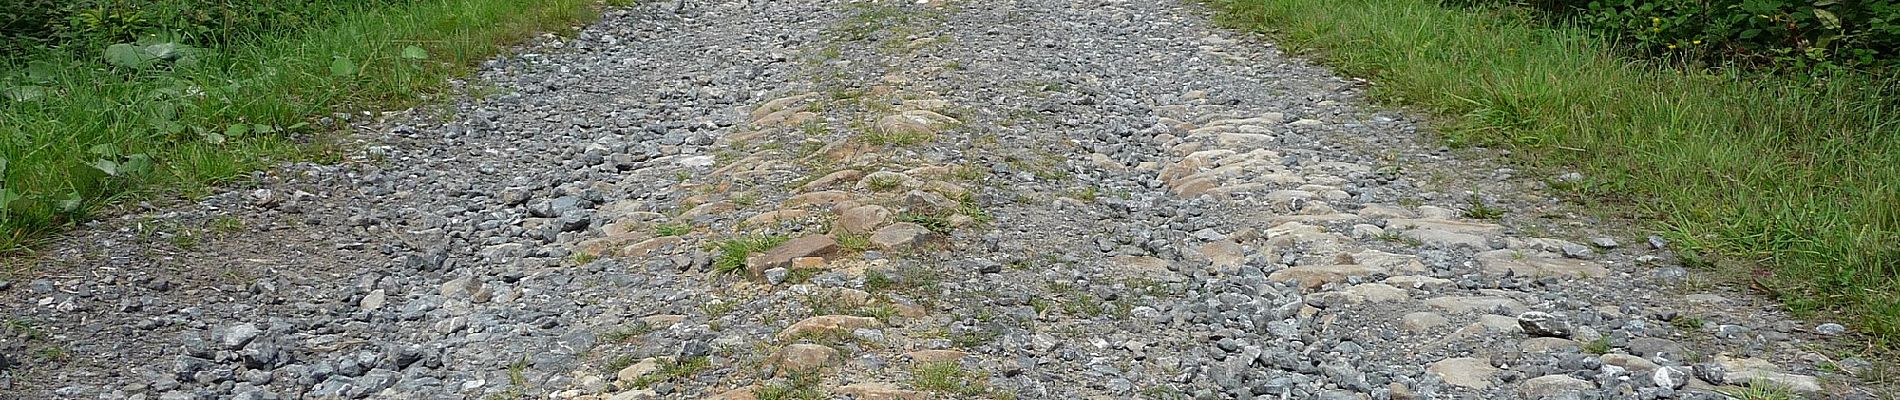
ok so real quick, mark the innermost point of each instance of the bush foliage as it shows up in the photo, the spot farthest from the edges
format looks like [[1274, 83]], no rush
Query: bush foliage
[[79, 25], [1786, 34]]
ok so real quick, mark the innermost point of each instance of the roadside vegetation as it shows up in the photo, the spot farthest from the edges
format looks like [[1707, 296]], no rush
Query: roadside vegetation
[[1770, 153], [105, 100]]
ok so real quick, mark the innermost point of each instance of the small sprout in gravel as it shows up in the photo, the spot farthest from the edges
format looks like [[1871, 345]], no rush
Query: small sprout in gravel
[[1760, 390], [619, 362], [968, 173], [900, 138], [802, 386], [745, 199], [50, 353], [854, 242], [682, 176], [627, 333], [227, 225], [1163, 393], [972, 338], [905, 277], [1687, 323], [1600, 346], [936, 223], [24, 329], [949, 378], [583, 258], [1476, 209], [1086, 194], [716, 308], [884, 183], [733, 252], [664, 230]]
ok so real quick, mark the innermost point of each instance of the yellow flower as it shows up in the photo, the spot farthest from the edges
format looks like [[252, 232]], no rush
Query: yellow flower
[[1655, 21], [1695, 42], [1672, 47]]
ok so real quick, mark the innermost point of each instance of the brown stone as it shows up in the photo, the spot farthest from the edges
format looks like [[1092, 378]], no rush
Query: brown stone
[[772, 217], [879, 391], [825, 323], [900, 236], [602, 245], [804, 357], [808, 263], [781, 256], [864, 219], [1315, 276], [832, 179], [648, 246], [936, 356], [1533, 265]]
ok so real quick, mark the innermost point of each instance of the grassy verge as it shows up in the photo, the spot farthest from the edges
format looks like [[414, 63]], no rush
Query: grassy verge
[[80, 132], [1795, 184]]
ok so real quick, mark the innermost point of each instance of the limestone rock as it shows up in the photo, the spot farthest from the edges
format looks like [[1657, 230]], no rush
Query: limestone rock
[[1468, 372]]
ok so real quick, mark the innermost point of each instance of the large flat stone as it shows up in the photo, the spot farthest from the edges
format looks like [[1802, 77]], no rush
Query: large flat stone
[[781, 256]]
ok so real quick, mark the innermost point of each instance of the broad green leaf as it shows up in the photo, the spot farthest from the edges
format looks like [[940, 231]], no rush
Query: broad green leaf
[[262, 129], [105, 149], [127, 55], [136, 164], [1825, 3], [415, 53], [7, 196], [237, 130], [342, 66], [3, 169], [107, 166], [71, 203], [25, 93], [214, 138], [1828, 20]]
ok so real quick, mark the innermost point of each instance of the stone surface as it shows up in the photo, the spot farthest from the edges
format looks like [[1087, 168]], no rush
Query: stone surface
[[781, 256], [1467, 372]]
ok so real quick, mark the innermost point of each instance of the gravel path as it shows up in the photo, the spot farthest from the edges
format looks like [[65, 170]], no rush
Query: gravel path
[[791, 200]]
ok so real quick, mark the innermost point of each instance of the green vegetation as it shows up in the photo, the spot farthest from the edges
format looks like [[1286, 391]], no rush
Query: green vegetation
[[627, 333], [795, 387], [664, 230], [733, 252], [1760, 390], [108, 99], [951, 379], [1783, 34], [1791, 182]]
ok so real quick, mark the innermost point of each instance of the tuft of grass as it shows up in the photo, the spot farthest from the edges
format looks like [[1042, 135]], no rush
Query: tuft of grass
[[678, 369], [897, 138], [1600, 346], [1475, 208], [664, 230], [733, 252], [626, 333], [884, 183], [1790, 181], [854, 242], [1686, 323], [1760, 390], [797, 387], [100, 133], [950, 378]]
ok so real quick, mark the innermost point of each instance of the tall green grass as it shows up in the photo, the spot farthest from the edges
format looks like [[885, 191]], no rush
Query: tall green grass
[[1795, 183], [78, 133]]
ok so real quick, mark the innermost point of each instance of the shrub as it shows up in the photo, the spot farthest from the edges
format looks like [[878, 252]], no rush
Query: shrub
[[83, 25], [1781, 34]]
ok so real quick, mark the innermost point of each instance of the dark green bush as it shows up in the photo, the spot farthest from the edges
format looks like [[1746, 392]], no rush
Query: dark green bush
[[1785, 34], [89, 25]]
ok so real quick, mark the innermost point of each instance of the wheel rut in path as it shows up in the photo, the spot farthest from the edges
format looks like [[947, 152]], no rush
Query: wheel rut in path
[[944, 199]]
